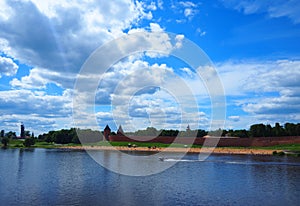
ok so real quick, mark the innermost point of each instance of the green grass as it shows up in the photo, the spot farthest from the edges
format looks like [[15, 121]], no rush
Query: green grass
[[290, 147], [15, 143]]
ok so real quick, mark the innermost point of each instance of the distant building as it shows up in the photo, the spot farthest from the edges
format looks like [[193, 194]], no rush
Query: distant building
[[22, 134], [188, 129], [106, 132]]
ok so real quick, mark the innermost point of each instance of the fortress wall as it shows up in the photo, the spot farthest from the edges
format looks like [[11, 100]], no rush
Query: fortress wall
[[223, 142]]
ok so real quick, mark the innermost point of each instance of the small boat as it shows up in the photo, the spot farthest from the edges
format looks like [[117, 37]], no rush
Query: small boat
[[161, 158]]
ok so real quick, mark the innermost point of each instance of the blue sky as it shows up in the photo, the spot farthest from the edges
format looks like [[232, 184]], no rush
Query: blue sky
[[253, 45]]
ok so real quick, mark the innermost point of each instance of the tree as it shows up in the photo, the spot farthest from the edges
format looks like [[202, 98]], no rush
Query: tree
[[2, 133], [239, 133], [4, 141], [27, 133], [258, 130], [29, 142], [278, 130], [201, 133], [11, 135], [268, 131], [291, 129]]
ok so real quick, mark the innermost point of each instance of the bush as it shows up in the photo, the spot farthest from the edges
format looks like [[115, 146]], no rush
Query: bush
[[29, 142], [5, 141]]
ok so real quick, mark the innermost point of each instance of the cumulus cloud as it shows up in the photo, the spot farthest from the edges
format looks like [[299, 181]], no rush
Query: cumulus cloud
[[33, 123], [270, 90], [38, 78], [161, 99], [67, 31], [29, 102], [39, 111], [7, 67]]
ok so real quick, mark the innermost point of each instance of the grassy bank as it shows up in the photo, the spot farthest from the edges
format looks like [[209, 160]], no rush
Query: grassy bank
[[39, 144]]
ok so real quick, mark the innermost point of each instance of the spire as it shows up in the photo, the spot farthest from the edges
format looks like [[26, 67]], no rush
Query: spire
[[188, 128], [120, 130], [107, 128], [106, 132]]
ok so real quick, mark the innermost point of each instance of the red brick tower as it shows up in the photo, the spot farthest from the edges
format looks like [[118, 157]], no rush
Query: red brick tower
[[106, 132]]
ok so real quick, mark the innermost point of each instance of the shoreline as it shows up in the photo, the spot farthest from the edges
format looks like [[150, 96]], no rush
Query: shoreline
[[217, 150]]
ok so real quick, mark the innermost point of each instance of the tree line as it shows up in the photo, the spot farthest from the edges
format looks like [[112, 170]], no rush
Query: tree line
[[6, 137], [256, 130], [151, 131], [65, 136]]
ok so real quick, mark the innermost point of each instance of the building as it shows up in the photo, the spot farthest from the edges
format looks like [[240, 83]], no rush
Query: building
[[22, 134], [106, 132], [120, 130]]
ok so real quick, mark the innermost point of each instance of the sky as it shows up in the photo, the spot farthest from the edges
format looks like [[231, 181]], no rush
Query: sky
[[253, 47]]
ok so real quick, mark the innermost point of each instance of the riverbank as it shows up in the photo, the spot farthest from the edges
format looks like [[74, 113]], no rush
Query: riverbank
[[279, 149], [218, 150]]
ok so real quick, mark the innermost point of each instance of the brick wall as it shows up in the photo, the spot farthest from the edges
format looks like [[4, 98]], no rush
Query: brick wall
[[223, 142]]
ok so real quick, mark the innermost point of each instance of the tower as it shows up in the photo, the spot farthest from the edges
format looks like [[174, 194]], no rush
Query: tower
[[106, 132], [188, 129], [120, 130], [22, 135]]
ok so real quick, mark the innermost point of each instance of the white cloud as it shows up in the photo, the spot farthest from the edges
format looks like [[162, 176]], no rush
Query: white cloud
[[234, 118], [160, 4], [274, 9], [188, 71], [38, 78], [68, 31], [187, 4], [268, 91], [39, 111], [7, 67], [29, 102], [152, 6], [141, 95], [179, 38], [32, 123], [190, 9], [200, 32]]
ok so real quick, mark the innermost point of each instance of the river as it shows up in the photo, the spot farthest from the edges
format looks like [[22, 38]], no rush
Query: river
[[70, 177]]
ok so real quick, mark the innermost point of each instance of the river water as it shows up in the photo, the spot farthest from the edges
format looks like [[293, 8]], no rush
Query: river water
[[65, 177]]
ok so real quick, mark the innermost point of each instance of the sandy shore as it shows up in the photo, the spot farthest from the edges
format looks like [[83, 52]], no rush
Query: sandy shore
[[173, 149]]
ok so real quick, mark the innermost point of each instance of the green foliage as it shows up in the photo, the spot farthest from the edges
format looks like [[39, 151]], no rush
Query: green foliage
[[292, 129], [27, 133], [237, 133], [4, 141], [11, 135], [169, 133], [29, 142], [261, 130], [67, 136], [150, 131]]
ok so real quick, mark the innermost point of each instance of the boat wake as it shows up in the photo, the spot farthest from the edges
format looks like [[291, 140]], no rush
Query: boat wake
[[232, 162]]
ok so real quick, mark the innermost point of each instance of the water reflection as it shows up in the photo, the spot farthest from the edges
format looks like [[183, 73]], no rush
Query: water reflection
[[20, 164], [66, 177]]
